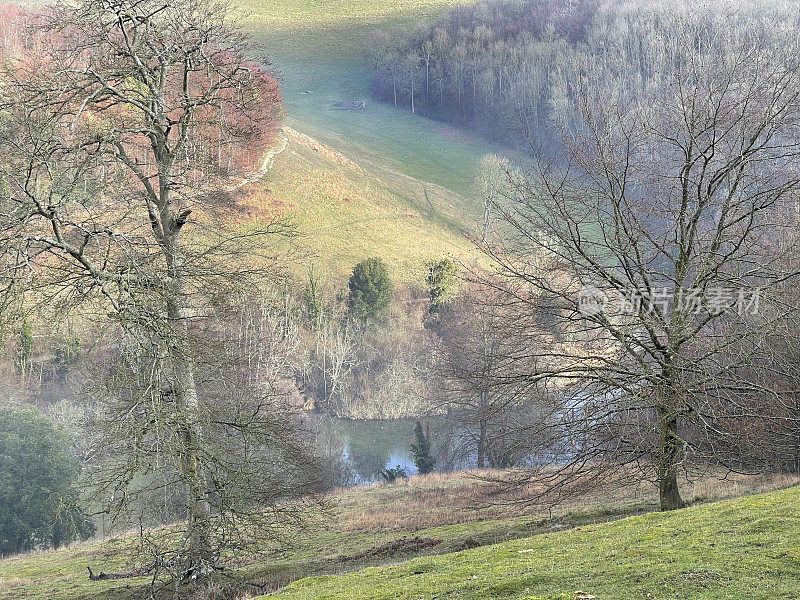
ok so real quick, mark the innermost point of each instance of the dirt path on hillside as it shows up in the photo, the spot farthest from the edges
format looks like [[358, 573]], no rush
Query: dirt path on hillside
[[266, 165]]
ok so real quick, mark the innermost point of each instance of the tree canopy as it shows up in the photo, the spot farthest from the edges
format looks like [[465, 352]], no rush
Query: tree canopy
[[370, 289], [38, 492]]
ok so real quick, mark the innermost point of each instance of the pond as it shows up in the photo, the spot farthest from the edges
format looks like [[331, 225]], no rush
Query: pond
[[368, 446]]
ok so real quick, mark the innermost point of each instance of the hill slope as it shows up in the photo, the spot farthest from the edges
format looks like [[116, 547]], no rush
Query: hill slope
[[745, 548], [345, 212], [440, 514], [408, 178]]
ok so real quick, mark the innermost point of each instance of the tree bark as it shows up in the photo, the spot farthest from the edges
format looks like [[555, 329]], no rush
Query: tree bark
[[668, 454], [482, 445], [200, 555], [200, 551]]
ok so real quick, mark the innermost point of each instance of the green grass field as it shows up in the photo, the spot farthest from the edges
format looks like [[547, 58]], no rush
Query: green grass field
[[319, 47], [439, 515], [742, 549], [414, 180]]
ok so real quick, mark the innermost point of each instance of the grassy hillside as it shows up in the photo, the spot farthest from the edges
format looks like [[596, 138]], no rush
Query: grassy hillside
[[399, 185], [425, 516], [746, 548], [319, 47], [345, 212]]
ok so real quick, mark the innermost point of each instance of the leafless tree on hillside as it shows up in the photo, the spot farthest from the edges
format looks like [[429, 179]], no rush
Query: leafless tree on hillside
[[661, 243], [120, 137]]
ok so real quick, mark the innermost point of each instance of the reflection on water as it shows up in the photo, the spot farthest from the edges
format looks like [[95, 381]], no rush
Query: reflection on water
[[369, 447]]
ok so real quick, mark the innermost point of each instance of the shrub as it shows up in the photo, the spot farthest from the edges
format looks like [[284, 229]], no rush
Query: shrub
[[392, 475]]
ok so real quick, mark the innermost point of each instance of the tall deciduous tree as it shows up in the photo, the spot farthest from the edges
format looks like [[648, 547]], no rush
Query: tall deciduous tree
[[490, 180], [661, 243], [121, 135], [493, 412]]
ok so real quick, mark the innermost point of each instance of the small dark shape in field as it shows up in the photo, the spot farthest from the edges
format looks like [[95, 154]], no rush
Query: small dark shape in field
[[468, 543], [140, 572]]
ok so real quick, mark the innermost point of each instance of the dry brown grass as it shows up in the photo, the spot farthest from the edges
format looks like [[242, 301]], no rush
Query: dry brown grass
[[9, 584], [323, 150], [421, 502]]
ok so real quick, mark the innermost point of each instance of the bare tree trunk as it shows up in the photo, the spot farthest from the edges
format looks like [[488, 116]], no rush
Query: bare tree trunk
[[200, 553], [668, 450], [200, 557], [427, 79], [482, 445]]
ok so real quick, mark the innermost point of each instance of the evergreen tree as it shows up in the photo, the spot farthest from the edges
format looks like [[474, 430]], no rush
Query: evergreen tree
[[38, 495], [441, 282], [421, 450], [370, 289], [313, 299]]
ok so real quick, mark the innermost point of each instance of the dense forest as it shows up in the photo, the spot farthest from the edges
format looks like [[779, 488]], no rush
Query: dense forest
[[492, 66], [505, 68]]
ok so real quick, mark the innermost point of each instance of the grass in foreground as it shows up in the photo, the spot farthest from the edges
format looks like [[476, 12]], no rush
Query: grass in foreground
[[745, 548], [385, 524]]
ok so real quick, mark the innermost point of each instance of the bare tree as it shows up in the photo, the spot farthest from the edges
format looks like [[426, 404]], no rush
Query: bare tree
[[658, 243], [491, 410], [490, 180], [410, 66], [427, 52], [260, 473], [119, 137]]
